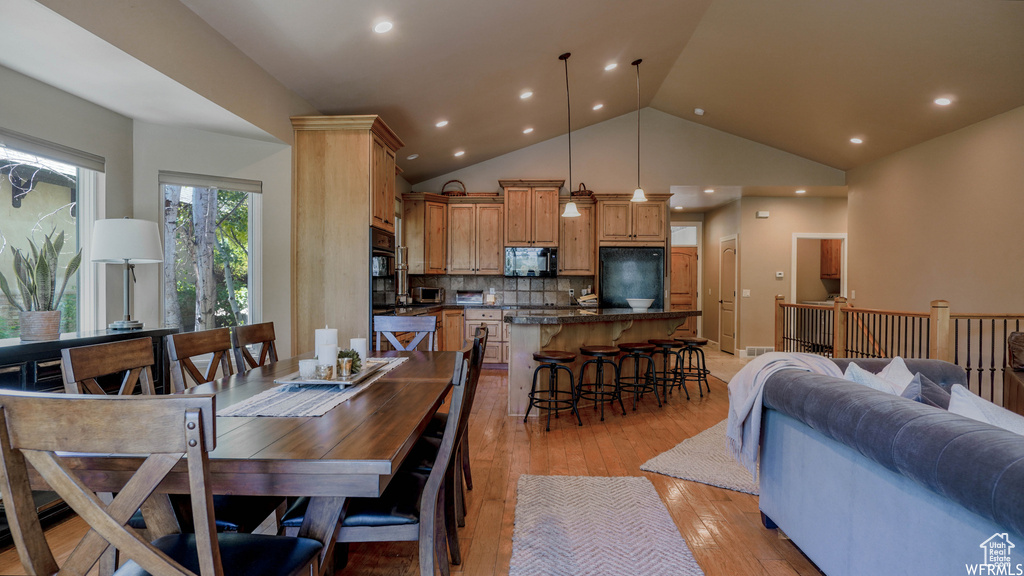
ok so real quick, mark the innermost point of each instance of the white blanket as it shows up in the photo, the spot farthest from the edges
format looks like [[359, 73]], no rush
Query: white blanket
[[746, 390]]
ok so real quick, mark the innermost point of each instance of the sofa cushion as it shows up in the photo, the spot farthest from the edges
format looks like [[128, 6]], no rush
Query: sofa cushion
[[945, 374], [897, 374], [965, 403], [1015, 344], [855, 373], [922, 389]]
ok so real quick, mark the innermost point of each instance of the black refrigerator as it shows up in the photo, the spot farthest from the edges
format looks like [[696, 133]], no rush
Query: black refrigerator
[[631, 273]]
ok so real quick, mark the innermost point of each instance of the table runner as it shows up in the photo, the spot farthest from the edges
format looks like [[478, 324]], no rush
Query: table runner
[[291, 400]]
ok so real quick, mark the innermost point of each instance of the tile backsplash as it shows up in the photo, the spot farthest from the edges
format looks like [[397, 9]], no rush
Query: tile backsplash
[[535, 291]]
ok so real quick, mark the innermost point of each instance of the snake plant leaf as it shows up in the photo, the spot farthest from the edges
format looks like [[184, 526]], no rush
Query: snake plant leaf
[[35, 251], [44, 289], [58, 243], [70, 271], [23, 276], [50, 253], [7, 292]]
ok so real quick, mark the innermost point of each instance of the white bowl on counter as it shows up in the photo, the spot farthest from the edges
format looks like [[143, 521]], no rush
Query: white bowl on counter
[[640, 304]]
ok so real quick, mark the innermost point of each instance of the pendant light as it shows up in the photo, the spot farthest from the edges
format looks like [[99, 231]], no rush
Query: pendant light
[[638, 194], [570, 207]]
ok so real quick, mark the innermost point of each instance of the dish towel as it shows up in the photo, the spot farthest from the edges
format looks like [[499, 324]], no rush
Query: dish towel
[[746, 391]]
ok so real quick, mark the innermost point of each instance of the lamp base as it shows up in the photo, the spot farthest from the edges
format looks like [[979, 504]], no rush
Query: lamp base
[[125, 325]]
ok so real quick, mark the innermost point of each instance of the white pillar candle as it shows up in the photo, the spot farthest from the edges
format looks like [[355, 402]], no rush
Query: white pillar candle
[[325, 337], [327, 354], [359, 345]]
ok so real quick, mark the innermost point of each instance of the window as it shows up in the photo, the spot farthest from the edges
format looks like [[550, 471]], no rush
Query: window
[[211, 251], [46, 191]]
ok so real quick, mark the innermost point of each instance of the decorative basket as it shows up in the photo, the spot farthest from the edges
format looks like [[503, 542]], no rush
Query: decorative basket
[[453, 192], [37, 326], [582, 191]]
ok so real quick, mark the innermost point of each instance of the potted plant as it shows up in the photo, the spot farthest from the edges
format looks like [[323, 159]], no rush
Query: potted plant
[[35, 275]]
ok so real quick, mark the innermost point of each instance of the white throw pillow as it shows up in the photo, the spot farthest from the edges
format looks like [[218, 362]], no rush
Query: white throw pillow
[[855, 373], [966, 403], [897, 374]]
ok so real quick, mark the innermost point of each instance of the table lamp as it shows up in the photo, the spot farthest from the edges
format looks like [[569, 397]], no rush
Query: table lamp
[[126, 241]]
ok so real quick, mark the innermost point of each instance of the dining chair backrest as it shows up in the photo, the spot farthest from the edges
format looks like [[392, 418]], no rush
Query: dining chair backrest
[[81, 366], [421, 327], [40, 429], [254, 334], [184, 347]]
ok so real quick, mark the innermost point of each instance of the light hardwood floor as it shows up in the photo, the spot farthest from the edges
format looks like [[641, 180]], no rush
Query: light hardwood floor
[[722, 527]]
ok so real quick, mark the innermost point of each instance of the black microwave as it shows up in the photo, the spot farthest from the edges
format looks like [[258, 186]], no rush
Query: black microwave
[[539, 262]]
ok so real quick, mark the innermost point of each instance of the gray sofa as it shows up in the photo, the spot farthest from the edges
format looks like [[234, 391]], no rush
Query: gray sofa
[[865, 482]]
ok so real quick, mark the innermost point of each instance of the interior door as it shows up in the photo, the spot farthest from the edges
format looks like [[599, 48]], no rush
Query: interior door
[[727, 305], [683, 273]]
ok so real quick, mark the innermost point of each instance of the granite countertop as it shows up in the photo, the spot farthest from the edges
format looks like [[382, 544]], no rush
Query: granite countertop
[[578, 315], [420, 309]]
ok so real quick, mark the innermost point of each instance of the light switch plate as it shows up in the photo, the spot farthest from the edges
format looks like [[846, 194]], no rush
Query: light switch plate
[[779, 275], [746, 293]]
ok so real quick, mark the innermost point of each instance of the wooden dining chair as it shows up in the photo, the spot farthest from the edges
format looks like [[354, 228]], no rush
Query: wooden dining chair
[[412, 508], [182, 349], [81, 367], [420, 326], [45, 430], [261, 335]]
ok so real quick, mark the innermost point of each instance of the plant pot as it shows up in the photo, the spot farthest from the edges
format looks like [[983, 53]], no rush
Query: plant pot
[[39, 325]]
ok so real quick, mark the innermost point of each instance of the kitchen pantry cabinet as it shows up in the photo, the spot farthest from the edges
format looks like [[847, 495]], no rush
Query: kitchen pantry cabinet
[[425, 227], [454, 327], [531, 212], [496, 340], [576, 254], [623, 222], [343, 176], [475, 234], [831, 259]]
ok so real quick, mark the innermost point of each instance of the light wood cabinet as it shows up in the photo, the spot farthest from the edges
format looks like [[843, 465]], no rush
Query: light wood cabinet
[[425, 227], [335, 183], [454, 329], [475, 238], [531, 212], [622, 222], [576, 253], [831, 259], [496, 351]]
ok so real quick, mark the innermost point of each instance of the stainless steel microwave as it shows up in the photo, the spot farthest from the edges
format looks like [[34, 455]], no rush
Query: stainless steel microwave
[[425, 295], [542, 262]]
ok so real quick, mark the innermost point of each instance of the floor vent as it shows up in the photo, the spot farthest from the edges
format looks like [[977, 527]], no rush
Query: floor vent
[[758, 350]]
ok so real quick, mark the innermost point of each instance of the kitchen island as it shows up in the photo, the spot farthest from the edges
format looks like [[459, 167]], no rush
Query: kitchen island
[[531, 330]]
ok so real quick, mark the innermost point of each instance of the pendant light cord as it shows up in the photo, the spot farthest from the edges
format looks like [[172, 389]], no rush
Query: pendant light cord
[[637, 64], [568, 112]]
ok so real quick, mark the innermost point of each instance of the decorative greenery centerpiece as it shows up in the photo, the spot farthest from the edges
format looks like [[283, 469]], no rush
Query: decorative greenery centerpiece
[[356, 363], [35, 275]]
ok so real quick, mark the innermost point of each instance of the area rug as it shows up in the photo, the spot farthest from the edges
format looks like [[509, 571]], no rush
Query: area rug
[[580, 525], [704, 458]]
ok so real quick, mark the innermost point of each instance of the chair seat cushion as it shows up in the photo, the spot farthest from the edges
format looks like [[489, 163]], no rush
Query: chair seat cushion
[[241, 554], [231, 513], [435, 428], [399, 505]]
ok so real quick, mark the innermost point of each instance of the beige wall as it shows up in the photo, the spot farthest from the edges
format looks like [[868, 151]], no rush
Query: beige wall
[[675, 152], [943, 220], [809, 285], [719, 223]]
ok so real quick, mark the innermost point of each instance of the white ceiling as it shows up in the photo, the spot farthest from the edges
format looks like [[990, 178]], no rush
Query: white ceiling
[[802, 76]]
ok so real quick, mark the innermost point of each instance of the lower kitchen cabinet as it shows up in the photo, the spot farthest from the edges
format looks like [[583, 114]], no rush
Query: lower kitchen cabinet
[[492, 319]]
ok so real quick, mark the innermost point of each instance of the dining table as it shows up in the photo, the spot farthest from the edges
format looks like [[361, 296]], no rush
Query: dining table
[[351, 451]]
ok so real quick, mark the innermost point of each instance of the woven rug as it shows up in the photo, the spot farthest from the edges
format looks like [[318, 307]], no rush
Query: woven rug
[[704, 458], [290, 400], [579, 525]]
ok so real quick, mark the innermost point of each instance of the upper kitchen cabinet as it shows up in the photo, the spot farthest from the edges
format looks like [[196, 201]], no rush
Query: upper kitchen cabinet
[[831, 259], [343, 180], [531, 212], [425, 227], [475, 238], [576, 253], [621, 222]]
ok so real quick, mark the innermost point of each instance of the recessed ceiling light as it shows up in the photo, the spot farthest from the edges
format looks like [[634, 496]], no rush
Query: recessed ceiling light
[[598, 106], [527, 130], [709, 190], [412, 156], [801, 191], [698, 111], [678, 208], [943, 101], [856, 140], [441, 124], [460, 153], [382, 27], [610, 66], [525, 95]]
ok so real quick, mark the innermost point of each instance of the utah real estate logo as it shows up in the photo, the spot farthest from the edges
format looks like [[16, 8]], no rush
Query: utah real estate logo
[[997, 559]]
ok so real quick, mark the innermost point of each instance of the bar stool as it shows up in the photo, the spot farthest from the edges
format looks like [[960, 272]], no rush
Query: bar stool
[[636, 383], [553, 361], [598, 394], [670, 376], [692, 361]]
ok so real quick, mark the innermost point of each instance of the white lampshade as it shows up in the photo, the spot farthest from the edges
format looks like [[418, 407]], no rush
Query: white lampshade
[[570, 210], [118, 239], [638, 196]]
